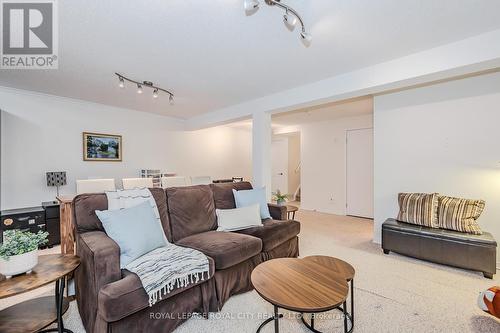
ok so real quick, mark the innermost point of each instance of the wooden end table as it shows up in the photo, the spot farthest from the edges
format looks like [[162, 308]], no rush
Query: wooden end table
[[290, 211], [35, 314], [309, 285]]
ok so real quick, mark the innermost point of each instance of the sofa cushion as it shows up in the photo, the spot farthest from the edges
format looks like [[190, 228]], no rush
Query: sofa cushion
[[419, 208], [191, 210], [238, 218], [244, 198], [460, 214], [85, 206], [223, 193], [136, 230], [122, 298], [273, 233], [226, 248]]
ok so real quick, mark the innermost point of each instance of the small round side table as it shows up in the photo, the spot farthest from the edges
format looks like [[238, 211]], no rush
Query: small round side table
[[35, 314]]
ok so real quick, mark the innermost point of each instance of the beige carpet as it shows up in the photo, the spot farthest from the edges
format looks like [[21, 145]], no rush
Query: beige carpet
[[392, 293]]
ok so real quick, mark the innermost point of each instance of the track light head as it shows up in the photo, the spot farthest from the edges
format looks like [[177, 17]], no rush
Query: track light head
[[155, 93], [290, 19], [171, 100], [306, 37], [121, 84], [251, 5], [139, 88]]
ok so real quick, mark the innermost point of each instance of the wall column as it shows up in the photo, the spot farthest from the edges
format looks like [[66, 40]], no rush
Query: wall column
[[261, 150]]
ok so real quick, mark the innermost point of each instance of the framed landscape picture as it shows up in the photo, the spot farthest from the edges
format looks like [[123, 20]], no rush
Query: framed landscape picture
[[102, 147]]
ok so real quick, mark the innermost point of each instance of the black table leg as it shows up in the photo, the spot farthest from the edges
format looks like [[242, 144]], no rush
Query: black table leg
[[274, 318], [344, 307], [59, 298], [352, 301]]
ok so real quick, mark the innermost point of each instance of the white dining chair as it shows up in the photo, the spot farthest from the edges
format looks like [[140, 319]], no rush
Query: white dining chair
[[95, 185], [131, 183], [201, 180], [176, 181]]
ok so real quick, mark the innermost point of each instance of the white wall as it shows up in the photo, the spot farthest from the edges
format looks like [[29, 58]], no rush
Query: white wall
[[41, 133], [443, 138], [323, 155]]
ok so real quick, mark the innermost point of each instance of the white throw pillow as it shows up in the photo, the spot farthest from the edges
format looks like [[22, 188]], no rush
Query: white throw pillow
[[238, 218]]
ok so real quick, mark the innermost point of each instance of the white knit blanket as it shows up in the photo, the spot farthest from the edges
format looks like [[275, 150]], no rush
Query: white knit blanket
[[164, 268]]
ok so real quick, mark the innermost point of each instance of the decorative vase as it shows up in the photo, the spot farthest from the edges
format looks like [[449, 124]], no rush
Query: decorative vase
[[18, 264], [281, 202]]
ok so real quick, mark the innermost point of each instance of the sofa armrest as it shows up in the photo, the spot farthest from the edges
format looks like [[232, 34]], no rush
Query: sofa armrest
[[278, 212], [100, 265]]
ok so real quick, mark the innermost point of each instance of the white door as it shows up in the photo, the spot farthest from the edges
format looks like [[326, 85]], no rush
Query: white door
[[359, 171], [279, 151]]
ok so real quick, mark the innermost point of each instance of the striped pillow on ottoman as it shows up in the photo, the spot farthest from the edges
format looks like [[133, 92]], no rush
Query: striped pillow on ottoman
[[419, 208], [460, 214]]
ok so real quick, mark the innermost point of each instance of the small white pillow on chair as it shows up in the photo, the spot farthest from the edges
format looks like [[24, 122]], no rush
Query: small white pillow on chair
[[238, 218]]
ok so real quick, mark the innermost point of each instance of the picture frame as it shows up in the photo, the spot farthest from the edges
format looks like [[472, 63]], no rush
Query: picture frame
[[102, 147]]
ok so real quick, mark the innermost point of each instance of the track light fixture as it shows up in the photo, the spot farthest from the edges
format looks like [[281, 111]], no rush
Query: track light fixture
[[251, 5], [290, 18], [148, 84]]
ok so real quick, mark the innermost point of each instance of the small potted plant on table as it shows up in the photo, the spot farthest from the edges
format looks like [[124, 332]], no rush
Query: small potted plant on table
[[19, 251], [280, 197]]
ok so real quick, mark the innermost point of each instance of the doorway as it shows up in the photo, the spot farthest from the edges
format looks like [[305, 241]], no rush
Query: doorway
[[359, 172], [279, 151]]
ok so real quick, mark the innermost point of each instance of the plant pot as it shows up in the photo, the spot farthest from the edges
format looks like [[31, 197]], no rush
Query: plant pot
[[281, 202], [19, 264]]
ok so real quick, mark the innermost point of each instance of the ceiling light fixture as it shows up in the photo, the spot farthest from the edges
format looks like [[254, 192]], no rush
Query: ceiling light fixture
[[147, 84], [251, 5], [122, 83], [290, 18]]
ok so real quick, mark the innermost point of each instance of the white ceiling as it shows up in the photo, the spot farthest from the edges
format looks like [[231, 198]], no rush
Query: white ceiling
[[211, 55]]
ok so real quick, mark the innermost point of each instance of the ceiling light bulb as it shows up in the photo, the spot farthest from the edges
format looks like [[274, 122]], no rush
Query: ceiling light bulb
[[122, 83], [171, 100], [290, 19], [155, 93], [306, 36], [139, 89], [250, 5]]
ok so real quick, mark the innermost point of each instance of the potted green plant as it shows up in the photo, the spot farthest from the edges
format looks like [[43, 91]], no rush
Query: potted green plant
[[19, 251], [280, 197]]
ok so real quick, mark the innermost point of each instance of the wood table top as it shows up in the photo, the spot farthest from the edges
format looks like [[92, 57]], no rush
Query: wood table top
[[335, 264], [50, 268], [290, 208], [300, 285]]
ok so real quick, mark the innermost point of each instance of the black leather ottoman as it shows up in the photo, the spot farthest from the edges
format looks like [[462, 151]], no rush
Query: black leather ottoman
[[475, 252]]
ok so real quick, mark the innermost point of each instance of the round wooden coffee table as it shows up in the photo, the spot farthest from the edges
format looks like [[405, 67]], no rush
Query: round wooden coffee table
[[35, 314], [301, 285]]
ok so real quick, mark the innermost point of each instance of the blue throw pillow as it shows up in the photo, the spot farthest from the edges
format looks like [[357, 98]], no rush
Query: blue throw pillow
[[245, 198], [136, 230]]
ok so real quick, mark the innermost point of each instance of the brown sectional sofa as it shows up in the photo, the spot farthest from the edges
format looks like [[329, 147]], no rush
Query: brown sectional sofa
[[113, 300]]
